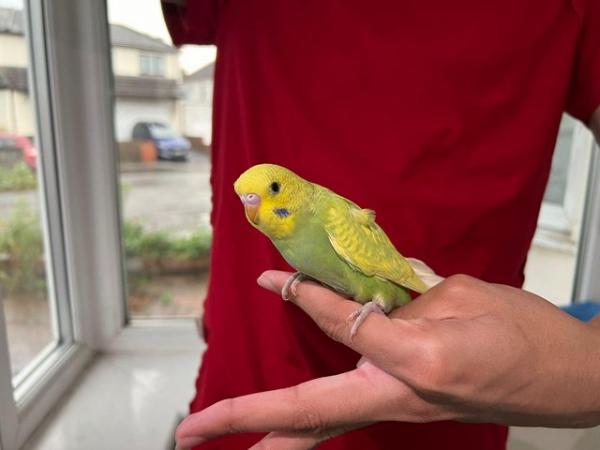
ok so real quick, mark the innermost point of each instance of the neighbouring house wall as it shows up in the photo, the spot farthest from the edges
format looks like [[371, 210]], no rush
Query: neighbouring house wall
[[173, 67], [15, 113], [198, 122], [126, 62], [14, 51], [197, 109]]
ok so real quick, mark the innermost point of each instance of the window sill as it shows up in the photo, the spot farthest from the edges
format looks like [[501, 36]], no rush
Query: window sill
[[137, 389]]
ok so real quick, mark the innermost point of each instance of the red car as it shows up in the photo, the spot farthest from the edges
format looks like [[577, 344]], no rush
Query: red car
[[22, 142]]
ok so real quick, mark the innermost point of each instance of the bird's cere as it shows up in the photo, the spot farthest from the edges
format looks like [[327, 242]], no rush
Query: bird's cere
[[250, 199]]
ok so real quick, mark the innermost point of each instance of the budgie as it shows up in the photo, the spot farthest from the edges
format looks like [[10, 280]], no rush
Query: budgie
[[330, 239]]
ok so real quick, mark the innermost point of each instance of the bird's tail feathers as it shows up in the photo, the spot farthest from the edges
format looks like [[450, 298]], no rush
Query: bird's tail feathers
[[424, 272]]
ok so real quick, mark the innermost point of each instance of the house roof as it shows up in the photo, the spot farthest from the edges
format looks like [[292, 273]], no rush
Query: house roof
[[206, 72], [121, 36], [11, 22]]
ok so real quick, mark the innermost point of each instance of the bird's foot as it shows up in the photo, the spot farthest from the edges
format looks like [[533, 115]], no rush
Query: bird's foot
[[291, 286], [360, 315]]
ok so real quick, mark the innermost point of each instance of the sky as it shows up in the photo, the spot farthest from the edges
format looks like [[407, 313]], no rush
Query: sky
[[145, 16]]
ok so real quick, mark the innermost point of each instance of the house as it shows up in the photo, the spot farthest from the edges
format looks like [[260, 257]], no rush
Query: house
[[197, 104], [147, 79], [16, 115]]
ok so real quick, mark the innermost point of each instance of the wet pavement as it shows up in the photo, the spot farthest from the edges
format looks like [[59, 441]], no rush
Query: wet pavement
[[161, 195], [168, 195]]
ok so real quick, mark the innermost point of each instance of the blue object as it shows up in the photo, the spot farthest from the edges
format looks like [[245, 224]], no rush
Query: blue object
[[584, 311]]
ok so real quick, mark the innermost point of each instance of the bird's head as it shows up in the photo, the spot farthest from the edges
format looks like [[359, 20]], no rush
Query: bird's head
[[272, 197]]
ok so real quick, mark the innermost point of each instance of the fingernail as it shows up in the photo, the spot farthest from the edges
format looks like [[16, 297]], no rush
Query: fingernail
[[362, 361], [266, 282]]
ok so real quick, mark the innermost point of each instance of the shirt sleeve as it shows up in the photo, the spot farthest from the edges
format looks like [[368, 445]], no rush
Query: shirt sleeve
[[192, 22], [584, 94]]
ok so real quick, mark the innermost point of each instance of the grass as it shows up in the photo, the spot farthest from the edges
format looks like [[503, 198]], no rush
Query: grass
[[17, 178]]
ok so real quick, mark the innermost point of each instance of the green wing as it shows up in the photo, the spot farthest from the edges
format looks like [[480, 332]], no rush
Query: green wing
[[362, 243]]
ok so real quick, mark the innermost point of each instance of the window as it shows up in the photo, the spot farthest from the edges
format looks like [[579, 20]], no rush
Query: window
[[152, 65], [59, 252], [552, 260], [30, 274], [164, 172]]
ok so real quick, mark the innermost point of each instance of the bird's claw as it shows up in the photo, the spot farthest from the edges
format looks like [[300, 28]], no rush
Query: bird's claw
[[291, 286], [361, 314]]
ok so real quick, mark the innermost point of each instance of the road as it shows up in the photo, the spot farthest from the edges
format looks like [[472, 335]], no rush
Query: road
[[164, 195], [175, 197]]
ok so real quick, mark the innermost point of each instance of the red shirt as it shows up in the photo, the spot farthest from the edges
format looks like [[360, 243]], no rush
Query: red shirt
[[442, 116]]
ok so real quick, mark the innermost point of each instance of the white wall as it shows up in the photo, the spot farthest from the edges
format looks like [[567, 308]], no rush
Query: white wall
[[14, 51], [15, 113], [197, 109], [126, 62]]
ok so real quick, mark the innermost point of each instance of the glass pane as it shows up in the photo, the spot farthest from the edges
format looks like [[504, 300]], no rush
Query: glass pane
[[28, 309], [163, 142]]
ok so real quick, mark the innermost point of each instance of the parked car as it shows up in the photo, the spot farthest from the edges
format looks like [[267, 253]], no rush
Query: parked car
[[28, 152], [169, 143]]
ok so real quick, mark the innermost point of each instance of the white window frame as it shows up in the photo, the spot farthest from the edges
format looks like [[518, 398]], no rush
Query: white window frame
[[156, 65], [71, 84], [587, 282], [559, 226]]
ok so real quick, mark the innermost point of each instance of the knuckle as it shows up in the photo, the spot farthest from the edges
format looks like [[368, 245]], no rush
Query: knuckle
[[457, 286], [180, 434], [229, 410], [306, 418], [309, 420], [337, 330]]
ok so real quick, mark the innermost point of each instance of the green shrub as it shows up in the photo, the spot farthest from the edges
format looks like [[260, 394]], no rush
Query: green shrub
[[17, 178], [156, 244], [22, 249], [192, 246]]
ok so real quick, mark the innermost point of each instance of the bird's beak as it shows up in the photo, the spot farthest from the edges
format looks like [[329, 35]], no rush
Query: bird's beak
[[251, 204]]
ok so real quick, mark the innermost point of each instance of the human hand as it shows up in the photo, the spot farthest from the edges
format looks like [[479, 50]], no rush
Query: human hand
[[466, 350]]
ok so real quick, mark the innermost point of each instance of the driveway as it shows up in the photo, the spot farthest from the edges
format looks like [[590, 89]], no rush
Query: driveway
[[161, 195]]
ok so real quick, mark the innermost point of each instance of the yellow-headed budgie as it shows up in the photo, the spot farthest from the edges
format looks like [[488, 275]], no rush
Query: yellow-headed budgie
[[330, 239]]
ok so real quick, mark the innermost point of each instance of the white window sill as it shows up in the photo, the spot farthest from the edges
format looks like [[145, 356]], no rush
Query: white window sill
[[131, 395]]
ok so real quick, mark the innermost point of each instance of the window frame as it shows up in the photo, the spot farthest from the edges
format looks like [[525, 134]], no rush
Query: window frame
[[156, 65], [586, 285], [68, 53], [560, 225]]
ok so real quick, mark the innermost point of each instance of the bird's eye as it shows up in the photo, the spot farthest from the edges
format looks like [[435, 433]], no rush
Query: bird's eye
[[274, 187]]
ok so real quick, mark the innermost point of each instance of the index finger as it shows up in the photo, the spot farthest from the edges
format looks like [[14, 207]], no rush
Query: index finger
[[377, 338], [318, 407], [313, 406]]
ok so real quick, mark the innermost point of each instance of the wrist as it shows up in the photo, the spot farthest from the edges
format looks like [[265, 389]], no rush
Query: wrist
[[589, 374], [595, 322]]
